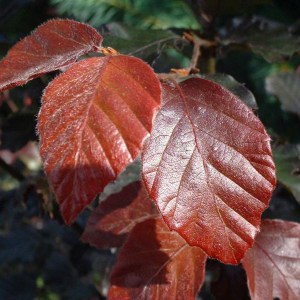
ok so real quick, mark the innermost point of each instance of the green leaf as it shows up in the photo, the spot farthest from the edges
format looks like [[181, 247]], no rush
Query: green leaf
[[286, 86], [156, 14], [138, 42], [273, 41], [287, 161]]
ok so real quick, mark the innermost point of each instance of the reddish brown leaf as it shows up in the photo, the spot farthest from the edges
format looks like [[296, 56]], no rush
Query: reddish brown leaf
[[92, 124], [156, 263], [52, 45], [115, 217], [273, 264], [208, 165]]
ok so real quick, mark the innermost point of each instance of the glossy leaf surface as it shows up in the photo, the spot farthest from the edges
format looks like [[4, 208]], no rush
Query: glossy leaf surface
[[156, 263], [115, 217], [209, 167], [273, 264], [51, 46], [286, 86], [234, 87], [92, 124]]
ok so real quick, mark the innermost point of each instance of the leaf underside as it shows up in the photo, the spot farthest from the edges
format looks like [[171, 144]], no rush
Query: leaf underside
[[208, 166], [51, 46], [115, 217], [156, 263], [273, 264], [92, 124]]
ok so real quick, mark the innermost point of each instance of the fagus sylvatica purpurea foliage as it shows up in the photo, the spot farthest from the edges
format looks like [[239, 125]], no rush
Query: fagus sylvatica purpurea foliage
[[207, 168]]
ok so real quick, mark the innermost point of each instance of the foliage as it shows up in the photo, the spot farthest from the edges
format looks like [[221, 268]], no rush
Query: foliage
[[206, 172], [157, 14]]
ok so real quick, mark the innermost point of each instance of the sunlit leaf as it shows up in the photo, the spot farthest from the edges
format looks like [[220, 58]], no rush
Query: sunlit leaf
[[234, 87], [208, 166], [273, 264], [92, 124], [51, 46], [156, 263]]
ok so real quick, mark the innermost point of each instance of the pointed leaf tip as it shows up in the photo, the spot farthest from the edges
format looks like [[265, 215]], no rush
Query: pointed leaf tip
[[208, 165], [93, 122], [49, 47]]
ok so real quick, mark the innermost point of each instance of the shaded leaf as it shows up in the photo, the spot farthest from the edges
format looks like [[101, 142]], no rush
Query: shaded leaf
[[273, 264], [156, 263], [287, 161], [271, 40], [17, 131], [138, 42], [234, 87], [51, 46], [209, 167], [92, 124], [115, 217], [286, 86]]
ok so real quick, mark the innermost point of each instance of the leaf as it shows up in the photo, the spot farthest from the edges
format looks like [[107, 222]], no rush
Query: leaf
[[234, 87], [156, 14], [287, 161], [115, 217], [51, 46], [17, 131], [286, 86], [137, 42], [274, 41], [208, 166], [273, 264], [92, 124], [156, 263]]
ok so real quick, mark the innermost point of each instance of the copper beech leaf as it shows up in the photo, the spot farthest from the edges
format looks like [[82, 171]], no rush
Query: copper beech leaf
[[156, 263], [273, 264], [51, 46], [115, 217], [92, 124], [208, 166]]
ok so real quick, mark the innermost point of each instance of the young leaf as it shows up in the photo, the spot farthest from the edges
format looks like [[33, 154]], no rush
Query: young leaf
[[115, 217], [273, 264], [286, 86], [156, 263], [92, 124], [209, 167], [51, 46]]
